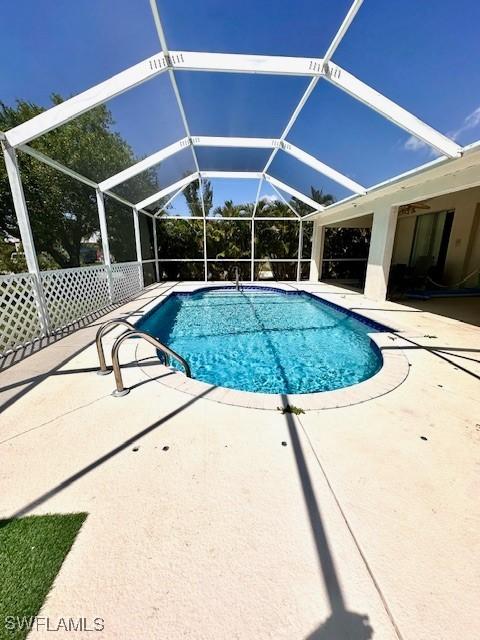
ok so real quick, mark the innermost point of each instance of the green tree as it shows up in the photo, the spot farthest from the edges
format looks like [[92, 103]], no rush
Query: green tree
[[63, 212], [194, 199]]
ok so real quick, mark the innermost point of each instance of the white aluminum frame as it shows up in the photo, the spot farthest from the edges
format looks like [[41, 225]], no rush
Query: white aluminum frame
[[172, 61]]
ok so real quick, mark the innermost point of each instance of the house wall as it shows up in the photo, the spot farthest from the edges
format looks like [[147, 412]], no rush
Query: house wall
[[463, 254]]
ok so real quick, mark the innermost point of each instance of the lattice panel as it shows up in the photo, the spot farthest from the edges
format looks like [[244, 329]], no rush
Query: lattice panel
[[127, 280], [19, 321], [71, 294]]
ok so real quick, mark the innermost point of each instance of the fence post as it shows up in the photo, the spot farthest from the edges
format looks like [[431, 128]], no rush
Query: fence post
[[21, 211], [102, 218], [138, 245]]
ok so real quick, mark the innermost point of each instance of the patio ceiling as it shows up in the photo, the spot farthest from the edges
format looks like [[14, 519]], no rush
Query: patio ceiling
[[276, 161]]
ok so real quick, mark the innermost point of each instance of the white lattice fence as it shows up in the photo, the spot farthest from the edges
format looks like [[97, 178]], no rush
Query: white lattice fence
[[19, 319], [71, 294], [127, 280]]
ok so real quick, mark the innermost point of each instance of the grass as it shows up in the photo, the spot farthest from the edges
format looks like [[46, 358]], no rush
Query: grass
[[291, 408], [32, 550]]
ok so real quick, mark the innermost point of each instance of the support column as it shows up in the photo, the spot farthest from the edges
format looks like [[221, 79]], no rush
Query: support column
[[155, 249], [380, 253], [26, 235], [252, 252], [205, 263], [300, 249], [138, 244], [318, 243], [105, 244]]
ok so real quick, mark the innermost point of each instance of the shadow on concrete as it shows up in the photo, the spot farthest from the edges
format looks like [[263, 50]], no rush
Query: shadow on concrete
[[465, 310], [87, 323], [61, 486], [67, 372], [342, 624], [440, 352]]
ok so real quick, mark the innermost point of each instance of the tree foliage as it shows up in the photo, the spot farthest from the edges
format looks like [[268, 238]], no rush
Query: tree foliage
[[63, 211]]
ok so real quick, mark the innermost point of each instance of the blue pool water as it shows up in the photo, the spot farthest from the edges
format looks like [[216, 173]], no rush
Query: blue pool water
[[265, 340]]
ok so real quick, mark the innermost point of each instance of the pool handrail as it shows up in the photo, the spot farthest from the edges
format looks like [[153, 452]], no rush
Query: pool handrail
[[120, 389], [103, 370]]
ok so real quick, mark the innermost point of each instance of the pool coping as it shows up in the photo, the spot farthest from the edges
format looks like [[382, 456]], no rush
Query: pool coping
[[392, 374]]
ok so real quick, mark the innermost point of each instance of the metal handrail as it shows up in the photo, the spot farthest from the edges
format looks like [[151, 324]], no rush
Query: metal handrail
[[103, 371], [121, 390]]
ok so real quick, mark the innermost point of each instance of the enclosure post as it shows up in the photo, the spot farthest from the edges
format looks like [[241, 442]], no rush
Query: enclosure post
[[155, 250], [26, 235], [380, 253], [138, 245], [102, 218], [300, 249], [318, 243], [252, 253], [205, 263]]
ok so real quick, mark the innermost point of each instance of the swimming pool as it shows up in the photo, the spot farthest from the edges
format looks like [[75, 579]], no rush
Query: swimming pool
[[266, 340]]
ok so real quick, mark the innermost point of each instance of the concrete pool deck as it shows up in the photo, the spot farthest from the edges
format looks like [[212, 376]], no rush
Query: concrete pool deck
[[364, 524]]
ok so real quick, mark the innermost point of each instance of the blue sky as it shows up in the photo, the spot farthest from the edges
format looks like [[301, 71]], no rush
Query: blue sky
[[424, 55]]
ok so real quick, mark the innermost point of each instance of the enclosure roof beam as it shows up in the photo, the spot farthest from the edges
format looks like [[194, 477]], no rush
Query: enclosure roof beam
[[245, 63], [223, 141], [293, 192], [145, 70], [82, 102], [245, 175], [144, 164], [352, 12], [391, 111], [167, 190], [313, 83], [227, 141], [163, 43]]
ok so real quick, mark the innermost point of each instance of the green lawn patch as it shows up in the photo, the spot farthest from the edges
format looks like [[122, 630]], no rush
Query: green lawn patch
[[32, 550]]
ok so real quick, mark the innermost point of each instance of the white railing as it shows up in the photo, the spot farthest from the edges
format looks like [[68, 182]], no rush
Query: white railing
[[30, 309]]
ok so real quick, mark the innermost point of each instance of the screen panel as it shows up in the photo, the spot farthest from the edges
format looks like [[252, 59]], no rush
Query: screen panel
[[112, 137], [179, 239], [307, 181], [422, 55], [304, 28], [236, 104], [233, 196], [275, 203], [68, 47], [158, 177], [121, 231], [63, 216], [232, 158], [228, 239], [352, 138]]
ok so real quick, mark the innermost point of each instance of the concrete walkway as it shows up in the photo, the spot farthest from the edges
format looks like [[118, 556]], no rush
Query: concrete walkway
[[208, 521]]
